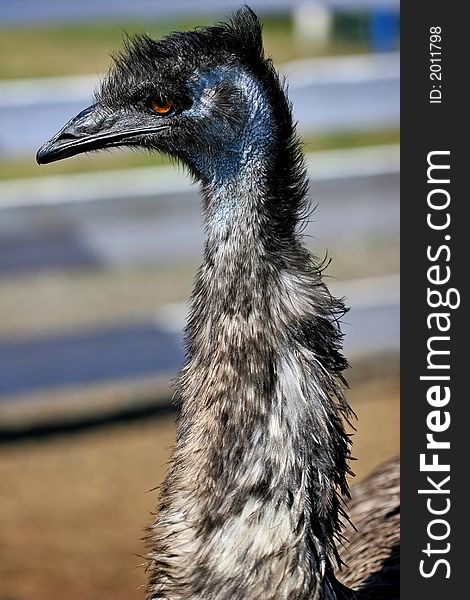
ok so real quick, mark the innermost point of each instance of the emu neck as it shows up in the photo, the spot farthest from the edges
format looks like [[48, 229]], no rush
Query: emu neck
[[251, 498]]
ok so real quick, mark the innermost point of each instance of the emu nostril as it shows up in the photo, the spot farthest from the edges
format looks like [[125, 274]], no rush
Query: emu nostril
[[68, 136]]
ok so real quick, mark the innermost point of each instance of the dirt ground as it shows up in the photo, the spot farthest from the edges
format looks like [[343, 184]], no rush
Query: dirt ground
[[73, 508]]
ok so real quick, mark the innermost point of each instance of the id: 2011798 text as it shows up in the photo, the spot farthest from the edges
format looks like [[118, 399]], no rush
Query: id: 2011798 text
[[435, 64]]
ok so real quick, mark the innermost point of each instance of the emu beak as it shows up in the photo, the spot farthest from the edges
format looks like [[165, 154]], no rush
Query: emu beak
[[92, 129]]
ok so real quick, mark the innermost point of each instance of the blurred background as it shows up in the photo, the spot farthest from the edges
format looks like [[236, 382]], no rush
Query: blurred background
[[97, 257]]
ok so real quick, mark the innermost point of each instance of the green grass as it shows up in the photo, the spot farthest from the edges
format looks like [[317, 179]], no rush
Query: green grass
[[65, 49], [27, 167], [351, 139], [57, 50]]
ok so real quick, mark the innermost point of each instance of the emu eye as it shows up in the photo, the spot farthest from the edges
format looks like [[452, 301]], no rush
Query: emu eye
[[161, 107]]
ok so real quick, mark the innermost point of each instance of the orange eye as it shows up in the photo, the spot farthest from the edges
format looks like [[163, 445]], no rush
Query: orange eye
[[162, 107]]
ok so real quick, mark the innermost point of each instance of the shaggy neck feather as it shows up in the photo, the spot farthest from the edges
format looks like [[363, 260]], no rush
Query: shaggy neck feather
[[249, 508]]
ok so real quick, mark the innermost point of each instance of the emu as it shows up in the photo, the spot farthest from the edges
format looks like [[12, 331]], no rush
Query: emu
[[252, 506]]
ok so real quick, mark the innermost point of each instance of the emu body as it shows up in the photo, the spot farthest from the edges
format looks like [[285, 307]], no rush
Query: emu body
[[251, 506]]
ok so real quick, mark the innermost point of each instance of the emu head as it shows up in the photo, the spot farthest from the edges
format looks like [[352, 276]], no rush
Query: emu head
[[201, 97]]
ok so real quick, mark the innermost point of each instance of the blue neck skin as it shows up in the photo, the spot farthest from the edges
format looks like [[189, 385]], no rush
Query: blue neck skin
[[231, 161]]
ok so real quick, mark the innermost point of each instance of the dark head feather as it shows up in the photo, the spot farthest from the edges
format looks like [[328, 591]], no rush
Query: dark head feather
[[180, 52]]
